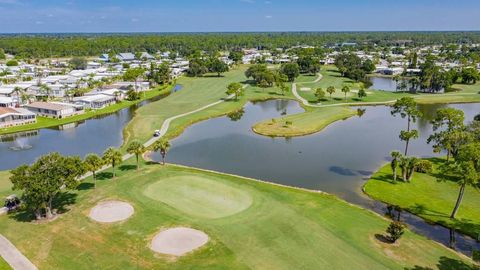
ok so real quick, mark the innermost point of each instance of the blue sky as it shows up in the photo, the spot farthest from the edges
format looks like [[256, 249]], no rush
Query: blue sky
[[236, 15]]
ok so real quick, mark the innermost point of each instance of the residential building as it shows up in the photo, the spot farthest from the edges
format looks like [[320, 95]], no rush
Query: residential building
[[54, 110], [10, 117]]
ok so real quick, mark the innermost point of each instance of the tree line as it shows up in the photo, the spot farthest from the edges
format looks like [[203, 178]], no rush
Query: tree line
[[66, 45]]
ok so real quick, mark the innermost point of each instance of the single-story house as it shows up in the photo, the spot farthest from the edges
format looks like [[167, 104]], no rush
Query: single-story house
[[97, 101], [140, 86], [146, 55], [7, 102], [10, 117], [53, 109], [126, 57], [93, 65]]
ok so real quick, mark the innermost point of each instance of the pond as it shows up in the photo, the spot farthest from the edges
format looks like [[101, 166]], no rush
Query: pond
[[90, 136], [383, 83], [337, 160]]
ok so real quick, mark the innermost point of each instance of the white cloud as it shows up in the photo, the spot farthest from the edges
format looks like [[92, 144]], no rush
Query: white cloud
[[268, 16]]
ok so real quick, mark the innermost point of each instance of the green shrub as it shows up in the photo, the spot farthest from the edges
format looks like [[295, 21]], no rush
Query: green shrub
[[424, 166], [395, 230]]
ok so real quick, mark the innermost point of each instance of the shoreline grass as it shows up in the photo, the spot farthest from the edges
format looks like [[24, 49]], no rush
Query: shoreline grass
[[428, 198], [302, 124]]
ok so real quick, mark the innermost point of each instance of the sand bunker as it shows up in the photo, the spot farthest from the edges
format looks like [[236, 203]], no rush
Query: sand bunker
[[178, 241], [305, 89], [111, 211]]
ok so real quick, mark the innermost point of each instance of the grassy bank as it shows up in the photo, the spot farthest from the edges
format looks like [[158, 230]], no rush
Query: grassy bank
[[428, 198], [196, 93], [331, 77], [45, 122], [257, 226], [309, 122]]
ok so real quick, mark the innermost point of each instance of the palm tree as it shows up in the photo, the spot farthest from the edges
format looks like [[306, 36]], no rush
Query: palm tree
[[113, 157], [162, 145], [331, 90], [394, 163], [45, 89], [18, 91], [136, 148], [345, 90], [93, 163]]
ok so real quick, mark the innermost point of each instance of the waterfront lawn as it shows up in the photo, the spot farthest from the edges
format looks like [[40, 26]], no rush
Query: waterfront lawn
[[309, 122], [428, 198], [45, 122], [267, 227], [196, 93], [331, 77]]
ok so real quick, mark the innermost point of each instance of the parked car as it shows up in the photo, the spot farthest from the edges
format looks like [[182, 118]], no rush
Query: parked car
[[156, 133], [12, 202]]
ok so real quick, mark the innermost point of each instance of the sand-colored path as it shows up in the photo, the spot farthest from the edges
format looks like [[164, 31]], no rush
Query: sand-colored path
[[13, 256], [178, 241], [111, 211]]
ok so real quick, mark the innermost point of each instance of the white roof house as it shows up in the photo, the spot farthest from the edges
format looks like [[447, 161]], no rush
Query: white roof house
[[7, 102], [126, 56]]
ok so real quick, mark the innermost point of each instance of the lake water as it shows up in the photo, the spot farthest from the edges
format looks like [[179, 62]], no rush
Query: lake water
[[381, 83], [338, 160], [90, 136]]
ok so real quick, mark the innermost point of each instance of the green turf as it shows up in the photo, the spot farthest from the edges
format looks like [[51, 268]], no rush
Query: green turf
[[4, 265], [283, 228], [311, 121], [429, 198], [199, 196]]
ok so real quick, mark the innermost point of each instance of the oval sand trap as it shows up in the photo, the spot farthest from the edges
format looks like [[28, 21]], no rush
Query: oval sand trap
[[111, 211], [200, 196], [178, 241]]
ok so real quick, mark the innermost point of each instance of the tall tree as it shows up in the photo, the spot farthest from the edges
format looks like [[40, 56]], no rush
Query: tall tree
[[465, 169], [406, 107], [217, 66], [113, 157], [133, 75], [346, 90], [43, 180], [319, 94], [136, 148], [448, 126], [235, 89], [162, 145], [291, 70], [93, 163], [331, 90]]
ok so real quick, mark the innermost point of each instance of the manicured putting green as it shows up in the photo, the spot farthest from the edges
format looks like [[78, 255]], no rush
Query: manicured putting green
[[199, 196]]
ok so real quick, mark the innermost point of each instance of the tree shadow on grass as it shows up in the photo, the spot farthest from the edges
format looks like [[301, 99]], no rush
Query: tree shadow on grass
[[60, 205], [104, 176], [85, 186], [447, 264], [382, 238], [128, 167]]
